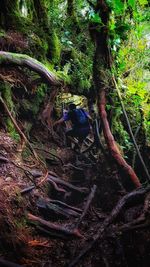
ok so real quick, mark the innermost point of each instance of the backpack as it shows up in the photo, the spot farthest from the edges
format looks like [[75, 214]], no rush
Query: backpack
[[81, 119]]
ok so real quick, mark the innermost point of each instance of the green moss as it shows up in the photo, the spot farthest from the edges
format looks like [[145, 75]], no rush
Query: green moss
[[32, 106], [65, 77], [80, 71], [38, 46], [7, 95], [2, 33], [26, 153], [54, 47], [49, 65]]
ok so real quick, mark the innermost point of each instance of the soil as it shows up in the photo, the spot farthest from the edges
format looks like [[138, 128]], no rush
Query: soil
[[28, 243]]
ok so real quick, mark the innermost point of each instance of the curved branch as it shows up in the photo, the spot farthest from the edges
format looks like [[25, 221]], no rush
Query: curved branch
[[31, 63]]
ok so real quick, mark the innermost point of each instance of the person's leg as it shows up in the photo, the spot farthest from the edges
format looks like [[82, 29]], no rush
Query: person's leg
[[69, 133], [82, 134]]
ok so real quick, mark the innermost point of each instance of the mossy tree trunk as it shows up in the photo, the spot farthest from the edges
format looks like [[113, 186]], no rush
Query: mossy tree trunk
[[71, 8], [10, 17], [7, 95], [8, 11], [72, 19], [102, 76], [44, 17], [41, 14]]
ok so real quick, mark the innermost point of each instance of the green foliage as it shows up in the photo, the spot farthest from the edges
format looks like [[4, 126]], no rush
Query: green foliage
[[80, 72], [55, 48], [7, 95], [39, 46], [143, 2], [31, 106], [132, 68], [132, 3], [118, 6], [94, 17]]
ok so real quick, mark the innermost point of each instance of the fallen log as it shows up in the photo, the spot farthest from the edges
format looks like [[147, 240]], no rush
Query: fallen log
[[53, 226], [100, 232], [71, 186]]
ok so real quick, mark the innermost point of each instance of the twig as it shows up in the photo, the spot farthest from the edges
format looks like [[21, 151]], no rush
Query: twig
[[89, 200]]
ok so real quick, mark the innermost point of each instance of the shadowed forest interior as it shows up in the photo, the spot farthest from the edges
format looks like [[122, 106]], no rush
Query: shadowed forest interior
[[74, 133]]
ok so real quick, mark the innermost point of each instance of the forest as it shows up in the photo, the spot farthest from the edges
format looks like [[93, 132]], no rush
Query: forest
[[74, 133]]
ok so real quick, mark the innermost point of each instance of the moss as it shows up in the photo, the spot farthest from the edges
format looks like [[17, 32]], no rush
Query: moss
[[30, 107], [65, 77], [38, 46], [26, 153], [55, 48], [7, 96], [2, 33], [80, 72]]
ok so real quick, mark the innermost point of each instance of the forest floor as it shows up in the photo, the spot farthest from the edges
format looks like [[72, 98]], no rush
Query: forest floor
[[46, 222]]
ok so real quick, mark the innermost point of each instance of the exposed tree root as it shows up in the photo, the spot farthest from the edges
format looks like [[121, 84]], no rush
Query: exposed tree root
[[33, 64], [55, 227], [68, 185], [112, 145], [89, 200], [100, 232]]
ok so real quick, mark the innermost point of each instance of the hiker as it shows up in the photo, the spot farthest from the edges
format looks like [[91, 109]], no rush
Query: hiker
[[80, 124]]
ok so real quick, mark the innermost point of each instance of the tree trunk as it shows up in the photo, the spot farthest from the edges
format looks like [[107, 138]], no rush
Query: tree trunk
[[101, 74], [112, 144], [10, 16]]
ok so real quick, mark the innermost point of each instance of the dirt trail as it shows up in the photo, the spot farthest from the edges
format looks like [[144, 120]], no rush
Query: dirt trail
[[47, 218]]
